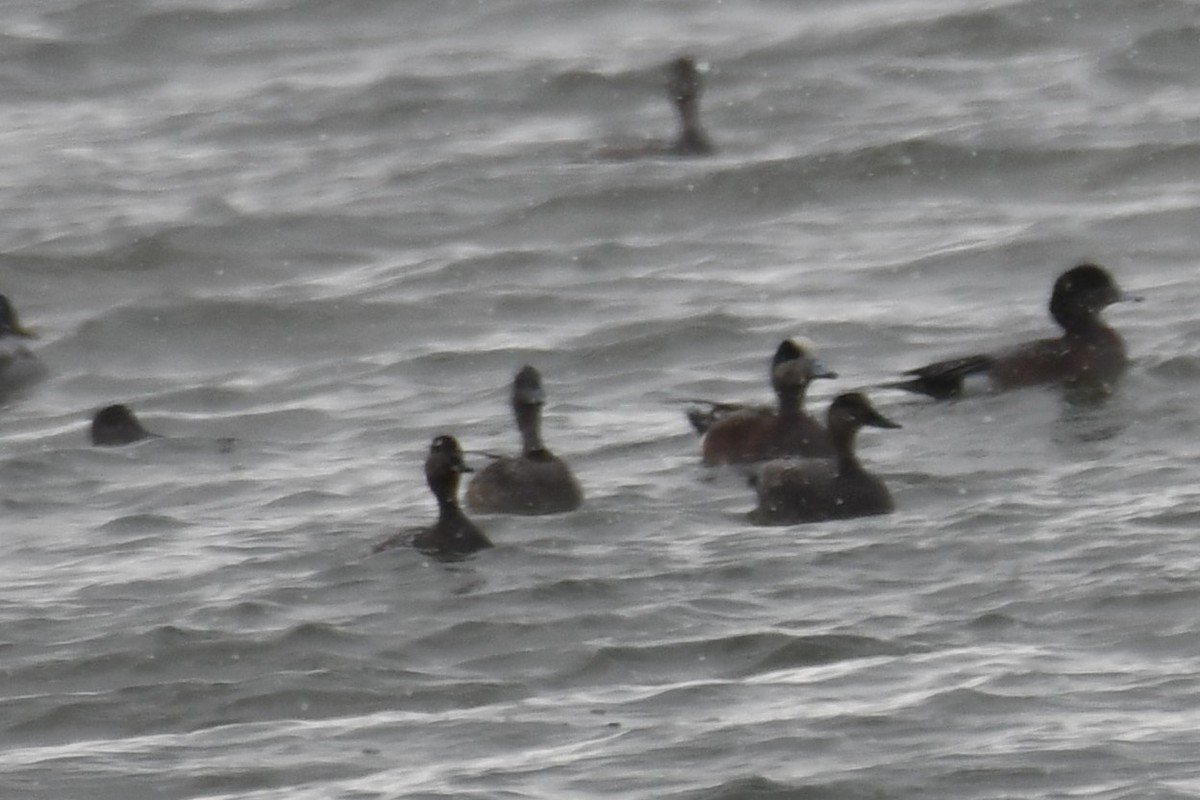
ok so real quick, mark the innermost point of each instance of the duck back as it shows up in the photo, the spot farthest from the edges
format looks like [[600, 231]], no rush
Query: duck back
[[527, 484]]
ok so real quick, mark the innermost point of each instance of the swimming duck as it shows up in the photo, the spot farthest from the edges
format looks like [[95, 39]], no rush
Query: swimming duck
[[810, 490], [1088, 355], [534, 482], [684, 87], [18, 365], [741, 435], [453, 535], [117, 425]]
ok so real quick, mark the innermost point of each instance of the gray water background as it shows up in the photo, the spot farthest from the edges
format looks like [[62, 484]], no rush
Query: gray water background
[[331, 231]]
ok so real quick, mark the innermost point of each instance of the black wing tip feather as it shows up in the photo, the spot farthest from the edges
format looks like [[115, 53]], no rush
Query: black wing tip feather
[[944, 379]]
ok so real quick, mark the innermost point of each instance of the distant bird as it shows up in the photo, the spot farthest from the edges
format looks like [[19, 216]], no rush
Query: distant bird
[[117, 425], [19, 367], [453, 535], [811, 490], [684, 88], [534, 482], [1088, 355], [735, 434]]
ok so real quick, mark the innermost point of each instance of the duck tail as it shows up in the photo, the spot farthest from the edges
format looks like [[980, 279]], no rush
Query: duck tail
[[703, 418], [942, 380]]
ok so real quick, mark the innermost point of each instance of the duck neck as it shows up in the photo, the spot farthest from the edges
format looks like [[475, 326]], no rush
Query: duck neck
[[843, 443], [445, 489], [692, 138], [791, 401], [1076, 319], [448, 511], [529, 422]]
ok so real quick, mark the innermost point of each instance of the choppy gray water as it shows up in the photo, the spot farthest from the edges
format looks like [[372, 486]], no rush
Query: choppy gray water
[[333, 230]]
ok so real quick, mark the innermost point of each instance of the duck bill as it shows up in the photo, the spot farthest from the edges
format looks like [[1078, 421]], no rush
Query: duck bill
[[816, 369], [880, 421]]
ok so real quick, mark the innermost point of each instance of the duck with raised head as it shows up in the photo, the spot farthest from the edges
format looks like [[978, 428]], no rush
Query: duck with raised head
[[744, 435], [1089, 354], [534, 482], [453, 535], [117, 425], [684, 88], [811, 490], [19, 367]]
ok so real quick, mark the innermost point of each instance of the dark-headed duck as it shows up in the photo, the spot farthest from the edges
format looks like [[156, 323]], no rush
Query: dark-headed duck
[[534, 482], [811, 490], [747, 435], [1089, 354], [117, 425], [18, 365], [684, 87], [453, 536]]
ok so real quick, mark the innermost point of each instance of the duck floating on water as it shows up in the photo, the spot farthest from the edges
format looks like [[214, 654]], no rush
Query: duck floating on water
[[19, 366], [1089, 354], [684, 88], [117, 425], [812, 490], [453, 535], [735, 434], [534, 482]]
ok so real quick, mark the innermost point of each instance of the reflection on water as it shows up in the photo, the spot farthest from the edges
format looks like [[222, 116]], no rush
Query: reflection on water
[[1091, 413]]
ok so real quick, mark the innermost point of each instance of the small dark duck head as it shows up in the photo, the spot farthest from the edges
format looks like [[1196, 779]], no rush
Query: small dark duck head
[[684, 84], [794, 365], [117, 425], [853, 410], [527, 388], [9, 324], [1081, 293], [443, 465]]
